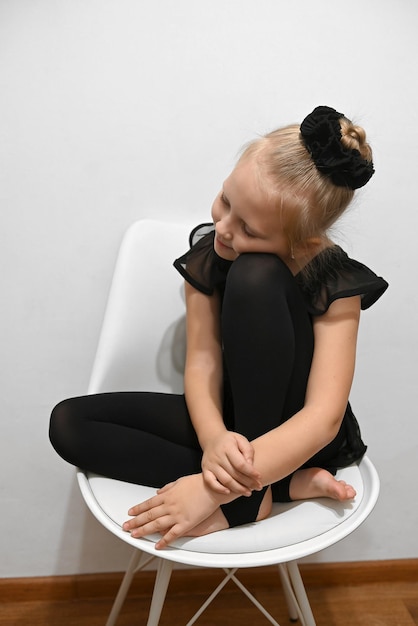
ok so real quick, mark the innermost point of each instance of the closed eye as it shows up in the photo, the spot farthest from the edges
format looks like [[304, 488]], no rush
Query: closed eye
[[246, 231]]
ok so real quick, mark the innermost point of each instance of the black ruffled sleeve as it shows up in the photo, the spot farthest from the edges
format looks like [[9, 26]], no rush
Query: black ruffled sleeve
[[333, 275], [329, 276], [201, 266]]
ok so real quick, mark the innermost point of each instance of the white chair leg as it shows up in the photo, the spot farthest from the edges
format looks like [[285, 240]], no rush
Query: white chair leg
[[300, 593], [162, 580], [288, 594], [124, 587]]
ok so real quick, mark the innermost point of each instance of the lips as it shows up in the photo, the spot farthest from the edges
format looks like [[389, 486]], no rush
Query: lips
[[222, 244]]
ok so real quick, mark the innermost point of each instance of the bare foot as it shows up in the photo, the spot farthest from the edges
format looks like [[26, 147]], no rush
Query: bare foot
[[316, 482], [217, 520]]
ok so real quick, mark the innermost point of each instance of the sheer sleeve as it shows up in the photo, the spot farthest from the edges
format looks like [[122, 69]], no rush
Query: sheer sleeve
[[329, 276], [201, 266], [332, 275]]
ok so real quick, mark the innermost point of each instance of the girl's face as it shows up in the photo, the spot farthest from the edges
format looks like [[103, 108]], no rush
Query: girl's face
[[246, 216]]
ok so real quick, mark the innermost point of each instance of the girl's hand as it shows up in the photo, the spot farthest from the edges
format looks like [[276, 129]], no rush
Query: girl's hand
[[175, 510], [227, 465]]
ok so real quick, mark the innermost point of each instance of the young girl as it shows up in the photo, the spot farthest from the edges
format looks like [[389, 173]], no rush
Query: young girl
[[273, 310]]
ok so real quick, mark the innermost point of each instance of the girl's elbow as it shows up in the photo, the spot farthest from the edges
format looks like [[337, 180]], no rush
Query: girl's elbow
[[333, 424], [328, 418]]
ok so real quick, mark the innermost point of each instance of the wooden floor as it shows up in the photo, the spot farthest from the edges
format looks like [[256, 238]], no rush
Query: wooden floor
[[335, 604]]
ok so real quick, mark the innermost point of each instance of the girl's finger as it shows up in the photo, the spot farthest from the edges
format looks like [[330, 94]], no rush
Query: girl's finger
[[146, 517], [241, 467], [145, 506], [225, 481], [214, 483], [246, 450], [249, 482], [236, 487], [174, 533], [158, 525]]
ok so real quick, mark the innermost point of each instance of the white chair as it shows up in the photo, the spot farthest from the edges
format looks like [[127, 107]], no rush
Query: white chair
[[142, 347]]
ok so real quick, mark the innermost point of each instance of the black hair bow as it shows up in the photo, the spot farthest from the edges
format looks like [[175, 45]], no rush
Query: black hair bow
[[321, 134]]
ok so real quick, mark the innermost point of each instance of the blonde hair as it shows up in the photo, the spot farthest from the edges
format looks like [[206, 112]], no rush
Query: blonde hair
[[309, 201]]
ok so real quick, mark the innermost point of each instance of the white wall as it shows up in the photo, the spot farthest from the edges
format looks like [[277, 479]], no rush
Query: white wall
[[112, 110]]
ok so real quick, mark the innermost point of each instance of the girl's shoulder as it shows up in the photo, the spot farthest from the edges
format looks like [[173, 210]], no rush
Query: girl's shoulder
[[332, 274]]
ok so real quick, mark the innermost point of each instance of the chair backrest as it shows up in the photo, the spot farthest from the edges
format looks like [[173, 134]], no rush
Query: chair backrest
[[142, 342]]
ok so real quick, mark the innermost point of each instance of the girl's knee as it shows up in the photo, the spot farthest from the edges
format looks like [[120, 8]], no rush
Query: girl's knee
[[255, 274], [61, 427], [60, 413]]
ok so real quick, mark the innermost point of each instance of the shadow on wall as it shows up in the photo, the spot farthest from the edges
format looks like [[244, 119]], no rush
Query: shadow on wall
[[171, 356]]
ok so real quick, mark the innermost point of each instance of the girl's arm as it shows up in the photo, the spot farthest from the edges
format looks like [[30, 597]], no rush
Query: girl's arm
[[284, 449], [227, 463], [203, 370]]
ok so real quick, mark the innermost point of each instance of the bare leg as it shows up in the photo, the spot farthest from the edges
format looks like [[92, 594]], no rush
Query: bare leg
[[315, 482]]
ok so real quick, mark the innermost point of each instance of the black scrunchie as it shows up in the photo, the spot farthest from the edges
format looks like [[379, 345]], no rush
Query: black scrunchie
[[321, 134]]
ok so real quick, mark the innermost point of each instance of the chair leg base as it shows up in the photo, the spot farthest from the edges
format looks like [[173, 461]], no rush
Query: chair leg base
[[296, 598], [294, 590]]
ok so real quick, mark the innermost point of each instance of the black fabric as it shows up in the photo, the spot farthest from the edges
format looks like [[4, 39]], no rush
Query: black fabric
[[332, 275]]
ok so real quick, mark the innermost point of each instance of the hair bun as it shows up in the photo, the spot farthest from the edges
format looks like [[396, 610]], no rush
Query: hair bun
[[322, 137]]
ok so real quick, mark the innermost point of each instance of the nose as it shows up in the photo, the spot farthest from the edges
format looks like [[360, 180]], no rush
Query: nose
[[223, 228]]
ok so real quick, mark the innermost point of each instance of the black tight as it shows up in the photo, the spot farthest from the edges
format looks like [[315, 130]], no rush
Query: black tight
[[138, 437], [148, 438]]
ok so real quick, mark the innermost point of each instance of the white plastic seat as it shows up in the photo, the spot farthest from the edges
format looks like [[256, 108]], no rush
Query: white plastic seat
[[141, 347]]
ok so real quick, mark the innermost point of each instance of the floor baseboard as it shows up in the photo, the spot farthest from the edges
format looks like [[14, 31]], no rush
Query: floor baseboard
[[55, 588]]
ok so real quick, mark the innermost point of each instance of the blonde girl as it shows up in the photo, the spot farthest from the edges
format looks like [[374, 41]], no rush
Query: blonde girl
[[273, 308]]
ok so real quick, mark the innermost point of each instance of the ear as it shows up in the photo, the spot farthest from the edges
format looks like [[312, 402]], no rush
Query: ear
[[311, 245], [314, 242]]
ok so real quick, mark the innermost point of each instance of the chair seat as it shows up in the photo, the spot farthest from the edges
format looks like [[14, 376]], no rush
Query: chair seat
[[286, 525]]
